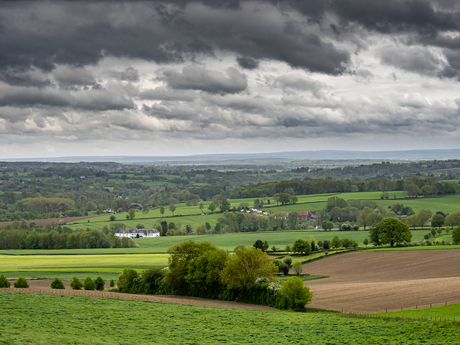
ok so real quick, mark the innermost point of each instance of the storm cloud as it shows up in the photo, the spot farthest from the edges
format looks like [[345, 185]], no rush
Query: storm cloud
[[181, 74]]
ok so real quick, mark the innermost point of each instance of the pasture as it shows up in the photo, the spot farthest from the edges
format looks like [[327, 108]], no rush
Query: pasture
[[68, 266], [47, 319]]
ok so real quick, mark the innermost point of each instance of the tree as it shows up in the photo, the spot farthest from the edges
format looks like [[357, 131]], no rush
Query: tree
[[456, 235], [76, 284], [100, 283], [301, 246], [88, 284], [259, 245], [201, 207], [162, 210], [21, 283], [296, 294], [452, 219], [248, 264], [336, 242], [4, 283], [327, 225], [145, 209], [172, 208], [204, 271], [180, 256], [437, 221], [112, 283], [131, 213], [57, 284], [297, 267], [294, 199], [366, 242], [292, 220], [112, 217], [200, 229], [392, 231], [422, 217], [125, 280], [211, 207], [266, 246], [284, 198]]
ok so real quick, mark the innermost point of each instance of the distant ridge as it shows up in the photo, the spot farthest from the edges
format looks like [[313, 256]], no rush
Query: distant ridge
[[405, 155]]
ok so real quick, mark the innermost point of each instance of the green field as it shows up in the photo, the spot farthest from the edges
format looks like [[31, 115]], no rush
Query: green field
[[447, 311], [47, 319], [68, 266]]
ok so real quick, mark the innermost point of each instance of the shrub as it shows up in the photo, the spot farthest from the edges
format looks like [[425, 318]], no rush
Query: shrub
[[274, 249], [326, 244], [57, 284], [76, 284], [456, 235], [297, 267], [112, 283], [284, 268], [99, 283], [288, 260], [127, 279], [21, 283], [4, 283], [112, 217], [427, 235], [88, 284], [287, 249], [294, 295]]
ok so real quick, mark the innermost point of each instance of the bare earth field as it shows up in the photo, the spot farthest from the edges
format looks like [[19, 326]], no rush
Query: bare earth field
[[372, 282]]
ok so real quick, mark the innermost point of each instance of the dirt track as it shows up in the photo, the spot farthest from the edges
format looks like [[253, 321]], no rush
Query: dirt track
[[43, 287], [370, 282]]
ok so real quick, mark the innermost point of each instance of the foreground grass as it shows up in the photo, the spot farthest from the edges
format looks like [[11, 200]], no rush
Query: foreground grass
[[46, 319]]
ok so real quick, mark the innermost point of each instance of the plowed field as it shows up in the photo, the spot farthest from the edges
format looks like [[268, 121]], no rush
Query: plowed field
[[372, 282]]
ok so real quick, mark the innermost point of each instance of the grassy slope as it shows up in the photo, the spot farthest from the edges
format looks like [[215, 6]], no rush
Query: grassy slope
[[45, 319], [448, 311]]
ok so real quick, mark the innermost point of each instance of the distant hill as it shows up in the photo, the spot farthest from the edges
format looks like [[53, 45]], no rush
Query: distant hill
[[406, 155]]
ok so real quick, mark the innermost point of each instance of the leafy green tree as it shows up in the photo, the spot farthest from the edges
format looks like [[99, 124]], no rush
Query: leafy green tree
[[204, 271], [258, 244], [266, 246], [422, 217], [211, 207], [57, 284], [301, 246], [297, 267], [245, 266], [284, 268], [292, 220], [335, 201], [437, 220], [126, 280], [76, 284], [336, 242], [112, 217], [392, 231], [284, 198], [4, 283], [201, 207], [145, 209], [88, 284], [296, 294], [162, 210], [21, 283], [172, 208], [327, 225], [288, 260], [100, 283], [180, 257], [366, 242], [112, 283], [294, 199], [131, 213], [456, 235]]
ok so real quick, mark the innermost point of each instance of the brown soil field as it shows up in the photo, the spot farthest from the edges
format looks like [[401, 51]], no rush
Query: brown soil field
[[43, 222], [43, 287], [373, 282]]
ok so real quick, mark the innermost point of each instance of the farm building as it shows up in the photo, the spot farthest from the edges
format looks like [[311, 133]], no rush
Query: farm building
[[303, 215], [137, 233]]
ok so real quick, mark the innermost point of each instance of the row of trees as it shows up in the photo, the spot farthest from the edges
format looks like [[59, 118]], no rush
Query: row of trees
[[203, 270]]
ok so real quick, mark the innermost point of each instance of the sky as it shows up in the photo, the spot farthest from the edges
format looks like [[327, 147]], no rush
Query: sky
[[89, 78]]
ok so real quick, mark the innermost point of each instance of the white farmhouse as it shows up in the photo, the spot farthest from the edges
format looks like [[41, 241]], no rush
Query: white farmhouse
[[137, 233]]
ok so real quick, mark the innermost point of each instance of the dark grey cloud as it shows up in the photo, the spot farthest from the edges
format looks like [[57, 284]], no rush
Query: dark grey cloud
[[69, 77], [247, 63], [413, 59], [198, 78], [130, 74], [24, 77]]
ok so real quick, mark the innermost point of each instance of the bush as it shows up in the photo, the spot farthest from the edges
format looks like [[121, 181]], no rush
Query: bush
[[57, 284], [288, 260], [4, 283], [294, 295], [326, 244], [284, 268], [99, 283], [112, 217], [76, 284], [88, 284], [297, 267], [112, 283], [21, 283], [127, 279]]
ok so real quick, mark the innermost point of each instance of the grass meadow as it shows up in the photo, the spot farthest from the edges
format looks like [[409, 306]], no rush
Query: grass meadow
[[68, 266], [48, 319], [446, 311]]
